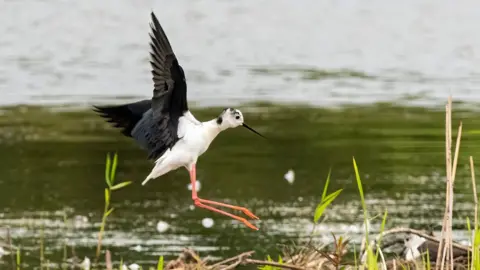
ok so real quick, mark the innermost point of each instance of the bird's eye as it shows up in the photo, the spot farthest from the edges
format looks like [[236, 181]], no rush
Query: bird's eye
[[237, 117]]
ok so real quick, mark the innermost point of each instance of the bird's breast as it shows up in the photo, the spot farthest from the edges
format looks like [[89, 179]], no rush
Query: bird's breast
[[197, 145], [197, 142]]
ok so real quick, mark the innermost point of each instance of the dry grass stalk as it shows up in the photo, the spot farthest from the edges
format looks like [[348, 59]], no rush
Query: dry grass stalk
[[441, 247], [454, 170], [191, 260], [447, 216], [312, 258], [281, 265], [108, 260], [232, 259], [446, 254], [440, 259], [474, 186]]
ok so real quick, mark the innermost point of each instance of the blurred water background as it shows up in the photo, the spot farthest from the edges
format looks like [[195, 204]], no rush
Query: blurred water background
[[324, 80]]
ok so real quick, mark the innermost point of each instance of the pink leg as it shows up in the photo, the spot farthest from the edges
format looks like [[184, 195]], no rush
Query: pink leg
[[201, 203]]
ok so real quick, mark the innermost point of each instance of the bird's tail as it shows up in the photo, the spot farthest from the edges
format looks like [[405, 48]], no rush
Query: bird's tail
[[124, 116], [159, 169], [146, 180], [155, 173]]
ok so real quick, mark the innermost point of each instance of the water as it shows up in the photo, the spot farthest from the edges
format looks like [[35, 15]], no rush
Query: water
[[326, 54], [316, 52], [52, 167]]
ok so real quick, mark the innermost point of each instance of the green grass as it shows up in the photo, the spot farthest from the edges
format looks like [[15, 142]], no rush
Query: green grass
[[18, 259], [326, 200], [110, 171], [371, 258]]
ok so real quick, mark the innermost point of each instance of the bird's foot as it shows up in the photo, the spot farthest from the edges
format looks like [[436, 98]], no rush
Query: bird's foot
[[247, 212], [202, 203]]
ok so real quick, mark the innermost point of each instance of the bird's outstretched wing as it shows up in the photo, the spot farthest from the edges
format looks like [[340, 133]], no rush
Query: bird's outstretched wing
[[154, 123], [169, 101], [125, 116], [170, 87]]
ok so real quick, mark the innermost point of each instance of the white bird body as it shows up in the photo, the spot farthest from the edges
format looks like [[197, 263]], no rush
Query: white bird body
[[165, 127], [412, 247], [196, 137]]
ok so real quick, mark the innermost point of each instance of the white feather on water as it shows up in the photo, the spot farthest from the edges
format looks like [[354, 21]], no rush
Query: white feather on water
[[85, 264], [162, 226], [80, 221], [290, 176], [134, 266], [137, 248], [207, 222]]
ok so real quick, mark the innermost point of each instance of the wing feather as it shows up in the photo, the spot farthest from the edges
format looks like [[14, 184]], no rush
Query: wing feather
[[169, 101], [154, 123]]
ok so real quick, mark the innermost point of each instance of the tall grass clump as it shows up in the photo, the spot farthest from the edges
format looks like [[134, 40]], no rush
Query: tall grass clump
[[110, 171], [371, 257], [445, 254]]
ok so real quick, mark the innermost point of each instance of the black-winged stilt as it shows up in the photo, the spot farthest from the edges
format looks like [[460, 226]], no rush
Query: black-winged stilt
[[164, 126]]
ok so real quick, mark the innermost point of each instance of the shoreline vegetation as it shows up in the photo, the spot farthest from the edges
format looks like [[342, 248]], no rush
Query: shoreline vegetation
[[449, 255], [439, 251]]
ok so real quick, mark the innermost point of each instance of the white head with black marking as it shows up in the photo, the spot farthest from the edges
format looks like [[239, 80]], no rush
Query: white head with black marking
[[232, 118]]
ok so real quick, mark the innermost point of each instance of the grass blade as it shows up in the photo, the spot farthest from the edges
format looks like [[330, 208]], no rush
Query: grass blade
[[324, 204], [107, 196], [382, 229], [326, 184], [114, 169], [121, 185], [160, 263], [360, 189], [107, 170], [371, 258], [109, 212], [18, 259]]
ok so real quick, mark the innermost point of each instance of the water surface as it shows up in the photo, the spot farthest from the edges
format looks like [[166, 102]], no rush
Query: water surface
[[316, 52], [52, 166]]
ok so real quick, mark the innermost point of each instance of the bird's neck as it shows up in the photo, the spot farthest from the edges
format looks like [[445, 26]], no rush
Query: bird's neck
[[212, 128]]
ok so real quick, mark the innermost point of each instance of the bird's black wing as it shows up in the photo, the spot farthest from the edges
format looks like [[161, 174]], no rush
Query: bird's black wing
[[153, 123], [169, 101], [125, 116]]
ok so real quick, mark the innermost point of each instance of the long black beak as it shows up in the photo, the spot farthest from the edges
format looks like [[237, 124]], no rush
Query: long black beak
[[253, 130]]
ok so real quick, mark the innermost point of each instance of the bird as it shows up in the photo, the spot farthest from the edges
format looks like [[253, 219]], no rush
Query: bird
[[416, 245], [411, 245], [164, 126]]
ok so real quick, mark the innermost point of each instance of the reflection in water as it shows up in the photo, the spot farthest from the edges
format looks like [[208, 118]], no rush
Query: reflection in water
[[52, 167]]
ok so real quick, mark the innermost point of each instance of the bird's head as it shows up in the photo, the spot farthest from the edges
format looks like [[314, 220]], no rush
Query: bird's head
[[232, 118]]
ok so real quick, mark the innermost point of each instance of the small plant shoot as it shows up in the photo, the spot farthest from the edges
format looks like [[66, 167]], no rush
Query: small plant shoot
[[110, 171]]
